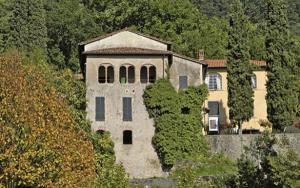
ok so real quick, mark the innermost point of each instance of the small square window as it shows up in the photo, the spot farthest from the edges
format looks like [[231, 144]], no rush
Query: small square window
[[127, 137], [183, 82]]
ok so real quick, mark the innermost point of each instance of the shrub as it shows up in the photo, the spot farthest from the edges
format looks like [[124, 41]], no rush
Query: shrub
[[178, 121]]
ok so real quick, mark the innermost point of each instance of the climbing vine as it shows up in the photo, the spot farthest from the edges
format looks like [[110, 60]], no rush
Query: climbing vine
[[178, 120]]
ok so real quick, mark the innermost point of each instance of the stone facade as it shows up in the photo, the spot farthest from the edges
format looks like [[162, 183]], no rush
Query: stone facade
[[130, 49]]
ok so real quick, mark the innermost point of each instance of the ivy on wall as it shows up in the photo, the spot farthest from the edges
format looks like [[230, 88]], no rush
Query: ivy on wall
[[178, 120]]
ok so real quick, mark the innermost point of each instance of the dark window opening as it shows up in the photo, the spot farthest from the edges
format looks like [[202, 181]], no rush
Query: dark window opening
[[127, 109], [152, 74], [100, 109], [101, 74], [110, 74], [100, 132], [183, 82], [144, 75], [185, 110], [127, 137], [123, 76], [213, 108], [131, 74]]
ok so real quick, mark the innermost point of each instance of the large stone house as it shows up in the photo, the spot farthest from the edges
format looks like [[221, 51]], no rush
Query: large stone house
[[218, 116], [117, 67]]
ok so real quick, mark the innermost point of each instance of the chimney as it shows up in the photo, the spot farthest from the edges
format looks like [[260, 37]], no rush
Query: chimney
[[201, 55]]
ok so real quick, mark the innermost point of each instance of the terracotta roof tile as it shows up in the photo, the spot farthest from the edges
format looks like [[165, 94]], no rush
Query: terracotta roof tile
[[127, 50], [221, 63]]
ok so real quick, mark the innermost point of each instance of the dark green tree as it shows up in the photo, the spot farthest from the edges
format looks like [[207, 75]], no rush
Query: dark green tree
[[282, 98], [36, 23], [18, 23], [28, 27], [240, 93]]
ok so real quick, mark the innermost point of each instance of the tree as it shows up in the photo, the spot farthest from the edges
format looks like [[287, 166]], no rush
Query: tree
[[282, 97], [39, 137], [28, 27], [240, 93]]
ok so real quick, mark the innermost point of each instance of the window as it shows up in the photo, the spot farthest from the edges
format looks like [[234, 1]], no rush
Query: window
[[127, 74], [127, 137], [253, 82], [152, 74], [213, 81], [183, 82], [144, 74], [106, 74], [100, 132], [127, 109], [100, 109], [110, 74], [148, 74], [185, 110], [213, 108], [123, 76], [131, 74], [101, 74]]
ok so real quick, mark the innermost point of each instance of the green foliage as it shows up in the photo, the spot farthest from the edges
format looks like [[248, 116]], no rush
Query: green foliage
[[240, 93], [28, 27], [203, 171], [282, 96], [178, 120], [263, 166]]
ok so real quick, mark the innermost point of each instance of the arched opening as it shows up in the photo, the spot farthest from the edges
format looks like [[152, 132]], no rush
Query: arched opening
[[123, 79], [144, 75], [131, 74], [101, 74], [152, 74], [110, 74], [127, 137], [100, 132]]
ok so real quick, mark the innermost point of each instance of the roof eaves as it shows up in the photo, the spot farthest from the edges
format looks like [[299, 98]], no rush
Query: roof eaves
[[189, 58]]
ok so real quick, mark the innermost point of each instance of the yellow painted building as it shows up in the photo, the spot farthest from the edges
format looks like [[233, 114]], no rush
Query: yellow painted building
[[217, 117]]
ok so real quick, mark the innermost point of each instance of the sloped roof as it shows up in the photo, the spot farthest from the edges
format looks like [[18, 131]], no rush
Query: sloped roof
[[189, 58], [126, 50], [125, 29], [221, 63]]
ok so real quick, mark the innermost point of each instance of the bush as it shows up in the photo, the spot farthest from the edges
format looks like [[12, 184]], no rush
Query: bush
[[178, 121], [40, 144]]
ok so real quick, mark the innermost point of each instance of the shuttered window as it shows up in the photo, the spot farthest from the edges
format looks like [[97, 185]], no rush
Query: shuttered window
[[183, 82], [100, 109], [127, 109]]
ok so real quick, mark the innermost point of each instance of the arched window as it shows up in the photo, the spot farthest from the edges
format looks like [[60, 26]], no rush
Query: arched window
[[144, 74], [131, 74], [148, 74], [152, 74], [127, 74], [100, 132], [123, 76], [101, 74], [213, 81], [110, 74], [127, 137], [106, 74]]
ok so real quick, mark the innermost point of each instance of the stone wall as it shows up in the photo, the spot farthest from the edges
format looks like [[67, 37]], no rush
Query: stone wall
[[232, 145]]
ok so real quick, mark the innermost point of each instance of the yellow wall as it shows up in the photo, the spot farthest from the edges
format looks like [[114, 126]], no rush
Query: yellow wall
[[260, 106]]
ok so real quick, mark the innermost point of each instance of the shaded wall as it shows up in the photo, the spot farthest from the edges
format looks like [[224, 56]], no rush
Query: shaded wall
[[232, 145]]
